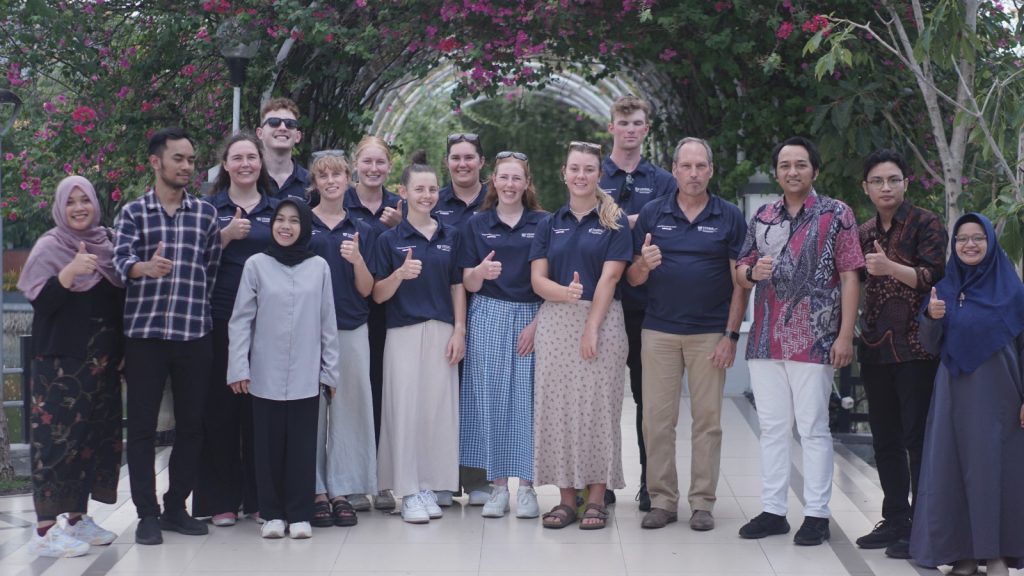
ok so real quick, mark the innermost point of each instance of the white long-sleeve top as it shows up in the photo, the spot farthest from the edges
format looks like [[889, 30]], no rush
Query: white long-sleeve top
[[282, 334]]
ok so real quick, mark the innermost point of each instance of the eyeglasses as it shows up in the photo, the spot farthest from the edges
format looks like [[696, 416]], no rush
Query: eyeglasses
[[588, 146], [877, 183], [328, 153], [275, 122], [456, 137], [627, 188], [510, 154], [974, 239]]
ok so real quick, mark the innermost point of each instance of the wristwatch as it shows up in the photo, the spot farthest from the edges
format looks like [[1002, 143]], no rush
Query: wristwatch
[[750, 275], [734, 336]]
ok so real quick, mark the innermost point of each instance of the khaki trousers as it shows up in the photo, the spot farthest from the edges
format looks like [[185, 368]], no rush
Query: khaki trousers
[[666, 357]]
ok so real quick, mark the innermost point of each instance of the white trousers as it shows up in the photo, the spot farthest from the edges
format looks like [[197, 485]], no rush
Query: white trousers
[[785, 391]]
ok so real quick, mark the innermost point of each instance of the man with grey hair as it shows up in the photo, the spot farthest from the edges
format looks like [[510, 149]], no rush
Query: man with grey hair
[[685, 246]]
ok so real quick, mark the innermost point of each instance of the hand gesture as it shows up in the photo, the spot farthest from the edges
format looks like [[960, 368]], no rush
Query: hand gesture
[[158, 266], [350, 249], [392, 216], [574, 291], [410, 269], [877, 263], [762, 269], [936, 307], [83, 262], [488, 268], [238, 228], [650, 253], [240, 387]]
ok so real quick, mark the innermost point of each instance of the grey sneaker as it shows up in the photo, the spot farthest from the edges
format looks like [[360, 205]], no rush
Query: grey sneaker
[[702, 520], [385, 500], [359, 502], [444, 498], [479, 497]]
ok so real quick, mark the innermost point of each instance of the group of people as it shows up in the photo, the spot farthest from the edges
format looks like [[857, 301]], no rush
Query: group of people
[[365, 344]]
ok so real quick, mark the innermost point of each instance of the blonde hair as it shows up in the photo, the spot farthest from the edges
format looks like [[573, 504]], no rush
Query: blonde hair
[[329, 163], [370, 140], [608, 212]]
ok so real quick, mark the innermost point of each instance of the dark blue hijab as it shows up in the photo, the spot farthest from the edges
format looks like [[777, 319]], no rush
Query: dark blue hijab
[[991, 313], [299, 251]]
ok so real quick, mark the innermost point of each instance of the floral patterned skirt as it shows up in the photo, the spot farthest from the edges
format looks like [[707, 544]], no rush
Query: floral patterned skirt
[[76, 426]]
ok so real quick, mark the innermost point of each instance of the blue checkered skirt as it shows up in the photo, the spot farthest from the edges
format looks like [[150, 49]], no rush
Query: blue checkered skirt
[[496, 401]]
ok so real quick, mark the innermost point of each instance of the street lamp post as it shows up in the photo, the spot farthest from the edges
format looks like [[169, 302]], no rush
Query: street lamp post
[[236, 52], [8, 101]]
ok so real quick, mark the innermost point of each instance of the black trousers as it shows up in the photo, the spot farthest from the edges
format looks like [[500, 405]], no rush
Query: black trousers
[[634, 320], [377, 330], [899, 396], [227, 475], [147, 364], [284, 435]]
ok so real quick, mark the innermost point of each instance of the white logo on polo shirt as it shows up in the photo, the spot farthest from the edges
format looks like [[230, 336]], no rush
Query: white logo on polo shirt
[[559, 230], [489, 236], [444, 212], [226, 218], [643, 190], [707, 229], [315, 232], [264, 219], [609, 191], [348, 235], [444, 247], [526, 234], [596, 231], [666, 227]]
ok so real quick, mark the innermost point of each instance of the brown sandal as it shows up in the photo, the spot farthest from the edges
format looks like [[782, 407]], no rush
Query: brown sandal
[[559, 517], [592, 512]]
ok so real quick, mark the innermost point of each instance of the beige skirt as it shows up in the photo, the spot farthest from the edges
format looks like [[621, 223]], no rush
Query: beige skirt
[[577, 402], [419, 432]]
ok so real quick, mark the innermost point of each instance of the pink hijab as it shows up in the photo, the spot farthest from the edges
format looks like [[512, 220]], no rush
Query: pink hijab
[[57, 246]]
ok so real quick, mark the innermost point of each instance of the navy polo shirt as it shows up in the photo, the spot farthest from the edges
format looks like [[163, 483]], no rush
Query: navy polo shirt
[[234, 255], [428, 296], [690, 292], [649, 182], [583, 247], [485, 232], [356, 211], [295, 186], [350, 308], [452, 211]]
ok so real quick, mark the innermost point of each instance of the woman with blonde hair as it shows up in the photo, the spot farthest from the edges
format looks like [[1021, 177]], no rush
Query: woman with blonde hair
[[577, 257]]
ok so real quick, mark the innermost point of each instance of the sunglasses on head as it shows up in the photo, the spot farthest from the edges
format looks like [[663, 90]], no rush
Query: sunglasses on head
[[275, 122], [627, 188], [511, 154], [588, 146], [456, 137], [330, 153]]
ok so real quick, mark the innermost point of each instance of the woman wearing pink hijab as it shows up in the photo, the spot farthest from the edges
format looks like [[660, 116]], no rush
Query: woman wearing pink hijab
[[78, 300]]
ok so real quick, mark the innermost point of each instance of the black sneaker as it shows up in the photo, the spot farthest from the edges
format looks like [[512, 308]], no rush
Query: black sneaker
[[885, 534], [179, 521], [609, 497], [147, 532], [813, 532], [899, 550], [644, 498], [764, 524]]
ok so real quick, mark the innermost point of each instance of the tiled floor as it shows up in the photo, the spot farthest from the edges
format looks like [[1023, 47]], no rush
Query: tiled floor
[[463, 543]]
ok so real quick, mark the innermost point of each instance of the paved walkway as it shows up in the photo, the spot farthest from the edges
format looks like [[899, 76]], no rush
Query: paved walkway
[[464, 544]]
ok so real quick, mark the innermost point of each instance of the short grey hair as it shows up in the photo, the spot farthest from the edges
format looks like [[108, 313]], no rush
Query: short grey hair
[[693, 140]]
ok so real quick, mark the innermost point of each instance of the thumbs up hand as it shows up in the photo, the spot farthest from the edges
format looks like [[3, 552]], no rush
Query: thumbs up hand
[[392, 216], [489, 269], [650, 253], [238, 228], [83, 263], [877, 263], [574, 291], [158, 266], [410, 268], [936, 307], [350, 249]]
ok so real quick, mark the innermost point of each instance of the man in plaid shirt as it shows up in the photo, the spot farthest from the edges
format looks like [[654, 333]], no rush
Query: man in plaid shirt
[[167, 250]]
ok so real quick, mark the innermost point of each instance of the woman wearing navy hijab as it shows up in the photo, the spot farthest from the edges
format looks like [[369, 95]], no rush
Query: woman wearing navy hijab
[[970, 503]]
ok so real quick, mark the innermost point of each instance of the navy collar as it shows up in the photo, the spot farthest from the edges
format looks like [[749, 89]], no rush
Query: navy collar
[[609, 168]]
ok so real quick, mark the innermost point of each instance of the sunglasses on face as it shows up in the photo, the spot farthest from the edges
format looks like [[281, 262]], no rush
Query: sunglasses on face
[[511, 154], [275, 122], [457, 137]]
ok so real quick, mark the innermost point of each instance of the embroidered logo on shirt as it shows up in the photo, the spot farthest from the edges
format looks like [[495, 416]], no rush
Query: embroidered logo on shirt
[[226, 218], [263, 219], [490, 236], [526, 234], [707, 229], [444, 212], [559, 230], [348, 235], [643, 190], [444, 247], [596, 231], [666, 227]]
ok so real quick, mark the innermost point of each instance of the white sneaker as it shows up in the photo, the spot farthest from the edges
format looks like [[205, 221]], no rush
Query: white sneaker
[[444, 498], [57, 544], [526, 502], [300, 530], [430, 503], [497, 504], [479, 497], [273, 529], [414, 510], [86, 530], [224, 519]]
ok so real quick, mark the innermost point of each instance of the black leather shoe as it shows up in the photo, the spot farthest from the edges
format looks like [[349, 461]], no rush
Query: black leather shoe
[[764, 524], [900, 550], [813, 532], [645, 498], [147, 532], [179, 521], [885, 534]]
